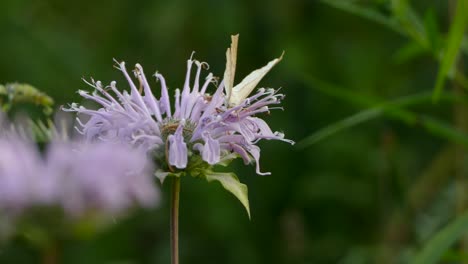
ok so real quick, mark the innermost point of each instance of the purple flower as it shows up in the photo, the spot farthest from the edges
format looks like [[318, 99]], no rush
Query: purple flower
[[20, 170], [177, 148], [103, 177], [80, 178], [198, 124]]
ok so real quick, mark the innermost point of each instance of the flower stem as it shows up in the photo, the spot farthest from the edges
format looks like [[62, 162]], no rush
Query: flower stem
[[175, 221], [50, 255]]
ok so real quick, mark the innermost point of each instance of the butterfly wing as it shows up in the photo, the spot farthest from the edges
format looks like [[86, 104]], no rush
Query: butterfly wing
[[242, 90], [231, 59]]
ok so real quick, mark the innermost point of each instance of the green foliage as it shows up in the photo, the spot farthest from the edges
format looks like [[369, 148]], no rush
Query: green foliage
[[451, 51], [395, 109], [442, 241], [200, 169], [17, 93], [231, 183]]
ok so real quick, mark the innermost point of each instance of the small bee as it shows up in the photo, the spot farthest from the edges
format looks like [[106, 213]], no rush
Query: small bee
[[13, 93]]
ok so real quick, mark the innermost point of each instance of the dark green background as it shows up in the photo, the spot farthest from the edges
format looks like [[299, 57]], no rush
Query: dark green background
[[342, 200]]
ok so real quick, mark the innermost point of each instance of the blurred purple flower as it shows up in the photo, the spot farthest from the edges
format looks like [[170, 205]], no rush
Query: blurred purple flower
[[212, 125], [20, 170], [102, 177], [81, 178]]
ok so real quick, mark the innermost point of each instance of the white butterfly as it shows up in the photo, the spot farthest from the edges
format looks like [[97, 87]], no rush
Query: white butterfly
[[235, 95]]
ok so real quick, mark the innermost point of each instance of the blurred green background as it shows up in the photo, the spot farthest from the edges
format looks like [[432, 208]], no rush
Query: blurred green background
[[372, 188]]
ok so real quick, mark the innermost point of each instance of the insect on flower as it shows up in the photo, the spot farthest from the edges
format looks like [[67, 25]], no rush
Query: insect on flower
[[197, 130], [236, 94]]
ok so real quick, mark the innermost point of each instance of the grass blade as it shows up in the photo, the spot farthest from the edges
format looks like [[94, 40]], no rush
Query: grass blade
[[375, 16], [457, 29], [441, 242], [339, 126], [394, 109], [365, 13]]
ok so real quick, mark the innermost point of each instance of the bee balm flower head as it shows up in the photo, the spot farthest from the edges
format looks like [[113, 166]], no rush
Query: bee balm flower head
[[194, 126]]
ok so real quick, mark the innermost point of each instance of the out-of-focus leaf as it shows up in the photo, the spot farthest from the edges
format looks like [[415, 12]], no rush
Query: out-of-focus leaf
[[433, 126], [457, 29], [408, 52], [367, 13], [440, 243], [410, 21], [406, 21], [443, 130], [455, 256], [461, 79], [364, 100], [336, 91], [432, 31], [231, 183], [17, 93], [377, 17], [394, 109], [339, 126]]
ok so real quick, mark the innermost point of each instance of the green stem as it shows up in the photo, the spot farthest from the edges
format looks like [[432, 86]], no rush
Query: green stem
[[50, 255], [175, 221]]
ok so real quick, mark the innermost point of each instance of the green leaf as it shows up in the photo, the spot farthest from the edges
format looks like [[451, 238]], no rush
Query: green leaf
[[339, 126], [20, 93], [394, 109], [432, 31], [441, 242], [408, 52], [455, 38], [377, 17], [443, 130], [433, 126], [162, 175], [364, 12], [410, 21], [231, 183]]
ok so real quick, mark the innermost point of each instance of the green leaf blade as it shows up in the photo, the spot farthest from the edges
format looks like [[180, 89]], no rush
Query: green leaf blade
[[231, 183], [457, 30], [440, 243], [395, 109]]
